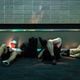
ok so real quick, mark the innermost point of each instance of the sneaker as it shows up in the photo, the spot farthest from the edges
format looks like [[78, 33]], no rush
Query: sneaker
[[5, 62]]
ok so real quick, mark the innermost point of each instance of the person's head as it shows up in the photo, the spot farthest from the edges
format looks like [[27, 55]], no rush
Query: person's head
[[13, 44]]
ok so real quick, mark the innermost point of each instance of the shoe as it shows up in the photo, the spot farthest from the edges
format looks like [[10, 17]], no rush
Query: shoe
[[5, 62]]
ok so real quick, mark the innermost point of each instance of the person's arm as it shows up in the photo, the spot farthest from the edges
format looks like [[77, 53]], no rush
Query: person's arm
[[41, 53], [50, 47]]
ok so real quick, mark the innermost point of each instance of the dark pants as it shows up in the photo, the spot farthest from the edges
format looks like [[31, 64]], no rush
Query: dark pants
[[65, 52], [46, 54]]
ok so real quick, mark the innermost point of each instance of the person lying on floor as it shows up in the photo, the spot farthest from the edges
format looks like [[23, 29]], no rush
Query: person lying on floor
[[4, 49], [52, 47], [73, 52]]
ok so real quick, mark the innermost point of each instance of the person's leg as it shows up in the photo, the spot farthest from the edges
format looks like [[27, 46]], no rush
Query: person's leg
[[74, 51], [40, 54], [54, 47], [52, 43], [44, 54], [78, 47], [71, 52], [3, 49], [65, 52], [57, 53], [12, 57], [50, 47], [75, 55]]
